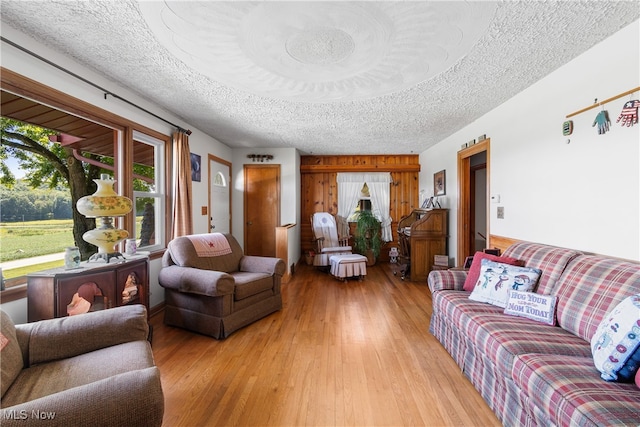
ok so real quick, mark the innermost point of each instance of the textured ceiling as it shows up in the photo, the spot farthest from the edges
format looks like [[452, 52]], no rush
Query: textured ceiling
[[324, 77]]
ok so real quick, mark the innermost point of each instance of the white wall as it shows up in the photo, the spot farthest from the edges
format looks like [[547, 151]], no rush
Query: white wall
[[289, 161], [584, 194]]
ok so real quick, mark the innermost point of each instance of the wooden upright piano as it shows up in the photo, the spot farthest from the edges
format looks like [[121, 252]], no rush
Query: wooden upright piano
[[421, 235]]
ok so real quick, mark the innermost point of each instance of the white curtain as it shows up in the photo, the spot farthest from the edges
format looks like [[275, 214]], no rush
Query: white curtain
[[348, 197], [349, 186], [380, 192]]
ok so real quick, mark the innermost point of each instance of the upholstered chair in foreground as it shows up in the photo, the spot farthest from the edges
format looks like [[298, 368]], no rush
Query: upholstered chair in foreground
[[93, 369]]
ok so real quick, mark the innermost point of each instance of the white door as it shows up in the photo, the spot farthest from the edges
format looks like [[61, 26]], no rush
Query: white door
[[219, 195]]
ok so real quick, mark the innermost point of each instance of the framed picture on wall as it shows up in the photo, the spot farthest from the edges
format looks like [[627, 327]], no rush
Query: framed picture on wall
[[195, 167], [439, 184]]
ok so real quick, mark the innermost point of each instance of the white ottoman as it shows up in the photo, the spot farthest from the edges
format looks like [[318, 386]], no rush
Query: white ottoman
[[350, 265]]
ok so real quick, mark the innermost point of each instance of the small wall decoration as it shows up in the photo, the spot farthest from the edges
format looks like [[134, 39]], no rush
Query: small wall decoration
[[439, 183], [195, 167], [603, 122], [629, 115], [567, 128]]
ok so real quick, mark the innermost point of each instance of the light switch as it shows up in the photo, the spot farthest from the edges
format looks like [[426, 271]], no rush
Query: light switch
[[501, 212], [204, 210]]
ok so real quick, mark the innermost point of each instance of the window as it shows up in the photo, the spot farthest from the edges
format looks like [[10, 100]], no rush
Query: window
[[148, 191], [103, 142], [364, 203], [219, 180]]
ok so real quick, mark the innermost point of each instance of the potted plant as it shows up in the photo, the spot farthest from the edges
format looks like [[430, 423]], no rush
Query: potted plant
[[367, 240]]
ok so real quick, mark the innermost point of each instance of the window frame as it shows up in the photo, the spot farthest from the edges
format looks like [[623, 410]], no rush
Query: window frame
[[17, 84], [160, 193]]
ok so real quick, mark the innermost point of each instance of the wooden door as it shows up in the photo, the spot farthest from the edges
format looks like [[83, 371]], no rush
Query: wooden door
[[261, 209], [466, 228]]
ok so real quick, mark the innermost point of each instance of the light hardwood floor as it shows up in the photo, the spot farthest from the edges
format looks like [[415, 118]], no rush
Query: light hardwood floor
[[354, 353]]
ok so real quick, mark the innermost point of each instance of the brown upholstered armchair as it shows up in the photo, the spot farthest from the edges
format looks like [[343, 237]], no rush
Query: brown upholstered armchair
[[212, 288], [91, 369]]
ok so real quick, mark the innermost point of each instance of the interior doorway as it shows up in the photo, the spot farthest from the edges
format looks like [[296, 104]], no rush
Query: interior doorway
[[219, 195], [261, 209], [473, 190]]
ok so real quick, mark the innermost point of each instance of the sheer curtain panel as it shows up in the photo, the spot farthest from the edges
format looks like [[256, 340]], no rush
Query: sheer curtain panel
[[349, 192]]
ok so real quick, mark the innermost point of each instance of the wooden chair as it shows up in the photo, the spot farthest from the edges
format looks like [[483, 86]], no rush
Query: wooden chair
[[325, 236]]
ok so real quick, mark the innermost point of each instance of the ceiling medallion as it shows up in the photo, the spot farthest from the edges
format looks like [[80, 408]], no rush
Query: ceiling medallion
[[320, 46], [319, 51]]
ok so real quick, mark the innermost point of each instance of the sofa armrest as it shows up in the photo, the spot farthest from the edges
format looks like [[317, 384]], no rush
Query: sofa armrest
[[259, 264], [196, 281], [446, 279], [65, 337], [128, 399]]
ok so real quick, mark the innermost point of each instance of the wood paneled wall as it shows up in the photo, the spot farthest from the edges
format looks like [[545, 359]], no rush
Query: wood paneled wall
[[320, 189]]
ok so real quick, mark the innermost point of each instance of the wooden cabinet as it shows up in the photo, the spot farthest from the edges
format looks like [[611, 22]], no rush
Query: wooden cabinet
[[92, 287], [427, 236]]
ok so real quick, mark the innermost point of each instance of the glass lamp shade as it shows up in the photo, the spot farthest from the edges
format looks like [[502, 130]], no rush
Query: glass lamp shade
[[105, 237], [104, 202]]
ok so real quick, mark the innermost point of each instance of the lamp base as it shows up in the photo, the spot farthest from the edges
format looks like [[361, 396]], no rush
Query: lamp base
[[105, 256]]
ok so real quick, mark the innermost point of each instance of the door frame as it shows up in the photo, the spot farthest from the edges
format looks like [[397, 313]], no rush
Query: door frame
[[210, 158], [466, 246]]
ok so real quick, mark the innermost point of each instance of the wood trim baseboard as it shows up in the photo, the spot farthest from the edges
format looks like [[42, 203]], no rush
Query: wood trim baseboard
[[500, 242], [156, 309]]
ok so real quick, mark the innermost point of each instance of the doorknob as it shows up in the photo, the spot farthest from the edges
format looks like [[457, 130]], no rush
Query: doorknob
[[249, 223]]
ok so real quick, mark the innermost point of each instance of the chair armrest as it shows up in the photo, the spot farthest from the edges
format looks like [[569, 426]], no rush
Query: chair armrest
[[260, 264], [65, 337], [439, 280], [196, 281], [128, 399]]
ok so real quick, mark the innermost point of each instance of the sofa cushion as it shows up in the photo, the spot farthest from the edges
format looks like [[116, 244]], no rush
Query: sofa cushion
[[569, 390], [501, 338], [496, 279], [10, 353], [248, 284], [541, 308], [590, 288], [476, 265], [184, 254], [550, 259], [53, 377], [616, 343], [498, 336]]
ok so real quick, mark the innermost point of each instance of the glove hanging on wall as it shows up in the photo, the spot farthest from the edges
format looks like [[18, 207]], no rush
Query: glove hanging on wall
[[629, 114], [603, 122]]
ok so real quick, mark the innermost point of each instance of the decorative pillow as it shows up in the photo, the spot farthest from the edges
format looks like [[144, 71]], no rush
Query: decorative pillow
[[497, 279], [616, 343], [474, 270], [10, 353], [541, 308]]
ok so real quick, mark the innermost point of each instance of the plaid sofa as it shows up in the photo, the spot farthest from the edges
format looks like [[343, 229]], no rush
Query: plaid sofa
[[533, 374]]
